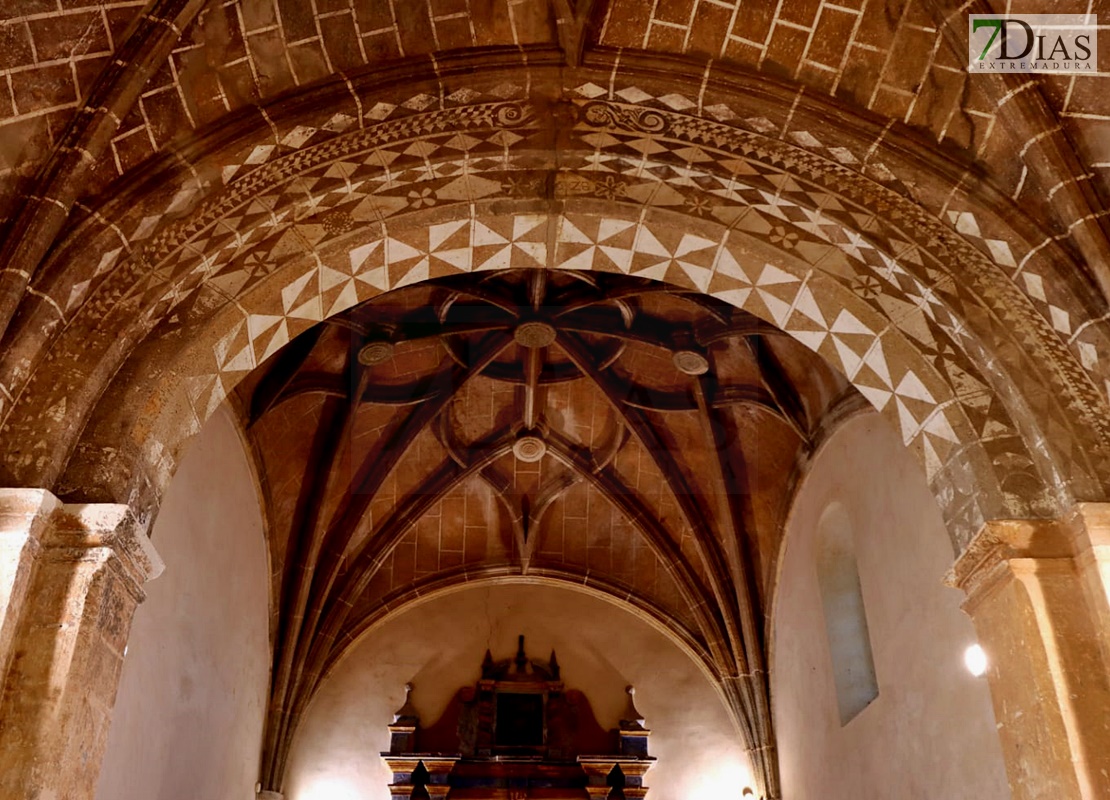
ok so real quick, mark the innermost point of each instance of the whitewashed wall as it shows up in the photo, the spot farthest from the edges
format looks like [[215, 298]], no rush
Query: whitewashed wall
[[930, 733], [188, 718], [439, 646]]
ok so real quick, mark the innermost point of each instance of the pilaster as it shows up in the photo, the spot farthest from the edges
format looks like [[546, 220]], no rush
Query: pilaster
[[1090, 529], [1031, 603], [23, 515], [78, 578]]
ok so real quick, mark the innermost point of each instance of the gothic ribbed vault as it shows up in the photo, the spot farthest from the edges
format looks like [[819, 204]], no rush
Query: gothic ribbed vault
[[596, 429]]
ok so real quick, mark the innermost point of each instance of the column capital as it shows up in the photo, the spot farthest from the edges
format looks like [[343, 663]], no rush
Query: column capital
[[1095, 519], [987, 559], [25, 511], [73, 531], [81, 527]]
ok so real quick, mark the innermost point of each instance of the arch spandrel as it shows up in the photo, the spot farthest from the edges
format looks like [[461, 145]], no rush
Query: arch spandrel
[[802, 205]]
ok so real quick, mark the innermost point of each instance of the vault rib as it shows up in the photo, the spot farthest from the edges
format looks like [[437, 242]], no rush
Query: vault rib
[[776, 381], [272, 390], [625, 499], [649, 439], [331, 434], [736, 514], [334, 609], [326, 559]]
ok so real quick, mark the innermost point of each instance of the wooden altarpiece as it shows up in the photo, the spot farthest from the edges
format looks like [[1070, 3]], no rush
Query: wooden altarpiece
[[518, 734]]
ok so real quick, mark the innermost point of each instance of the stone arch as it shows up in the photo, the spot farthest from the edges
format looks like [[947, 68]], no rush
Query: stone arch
[[173, 263], [764, 282]]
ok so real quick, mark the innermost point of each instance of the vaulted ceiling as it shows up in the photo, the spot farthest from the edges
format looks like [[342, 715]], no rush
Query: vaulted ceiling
[[598, 429], [118, 81], [173, 174]]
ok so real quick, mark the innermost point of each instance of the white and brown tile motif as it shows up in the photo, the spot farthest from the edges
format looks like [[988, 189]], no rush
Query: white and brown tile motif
[[398, 198]]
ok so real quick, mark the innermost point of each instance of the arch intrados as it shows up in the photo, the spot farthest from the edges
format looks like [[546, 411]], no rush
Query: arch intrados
[[245, 129], [754, 249], [1027, 437], [142, 402]]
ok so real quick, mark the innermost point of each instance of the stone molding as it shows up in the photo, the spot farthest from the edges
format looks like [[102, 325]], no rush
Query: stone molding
[[1082, 534], [105, 527], [24, 514], [40, 526], [1093, 528], [24, 511], [1004, 546], [70, 528]]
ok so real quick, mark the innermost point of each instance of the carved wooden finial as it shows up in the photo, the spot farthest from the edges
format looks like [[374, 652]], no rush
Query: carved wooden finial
[[407, 712], [632, 718]]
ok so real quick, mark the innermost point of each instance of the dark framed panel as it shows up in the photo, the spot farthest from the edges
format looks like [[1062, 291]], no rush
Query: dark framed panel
[[519, 719]]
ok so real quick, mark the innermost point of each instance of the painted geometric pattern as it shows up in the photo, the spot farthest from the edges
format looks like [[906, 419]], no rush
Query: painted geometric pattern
[[1047, 296], [784, 213], [643, 155], [344, 276], [1083, 343], [358, 187]]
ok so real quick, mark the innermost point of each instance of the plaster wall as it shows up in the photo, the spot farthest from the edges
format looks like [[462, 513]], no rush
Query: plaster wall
[[438, 646], [188, 717], [931, 730]]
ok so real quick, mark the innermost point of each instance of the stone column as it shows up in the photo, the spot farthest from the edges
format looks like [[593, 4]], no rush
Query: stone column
[[78, 579], [1091, 537], [1030, 599], [23, 514]]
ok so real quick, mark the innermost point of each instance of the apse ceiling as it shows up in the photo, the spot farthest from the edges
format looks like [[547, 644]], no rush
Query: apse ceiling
[[592, 428]]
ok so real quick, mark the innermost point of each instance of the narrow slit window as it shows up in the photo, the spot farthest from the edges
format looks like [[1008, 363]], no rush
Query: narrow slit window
[[845, 616]]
